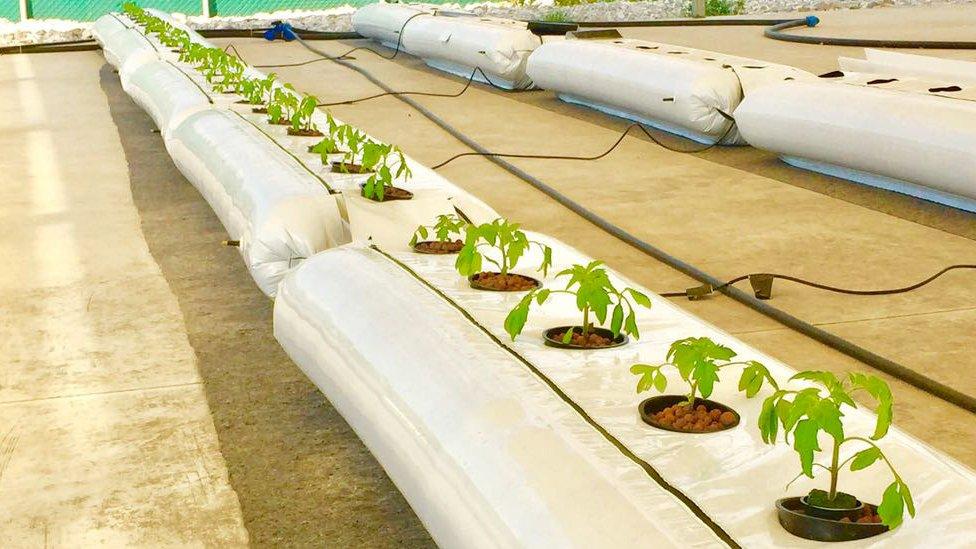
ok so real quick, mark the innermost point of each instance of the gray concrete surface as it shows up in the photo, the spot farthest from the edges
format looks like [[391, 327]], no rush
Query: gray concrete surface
[[106, 438], [303, 477]]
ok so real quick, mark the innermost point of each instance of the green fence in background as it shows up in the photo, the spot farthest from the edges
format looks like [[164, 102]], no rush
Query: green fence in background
[[89, 10], [9, 9]]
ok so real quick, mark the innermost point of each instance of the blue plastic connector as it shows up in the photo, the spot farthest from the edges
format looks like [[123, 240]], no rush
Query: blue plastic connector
[[813, 20], [280, 30]]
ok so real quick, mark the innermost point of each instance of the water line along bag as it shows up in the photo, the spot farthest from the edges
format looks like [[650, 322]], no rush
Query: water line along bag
[[279, 212], [907, 135], [673, 88]]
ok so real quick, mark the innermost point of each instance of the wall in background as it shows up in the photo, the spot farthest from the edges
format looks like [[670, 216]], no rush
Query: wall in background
[[89, 10]]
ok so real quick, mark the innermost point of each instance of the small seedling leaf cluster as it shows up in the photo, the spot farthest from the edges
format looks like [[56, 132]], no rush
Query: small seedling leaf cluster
[[595, 295], [698, 361], [446, 227], [806, 413], [509, 242]]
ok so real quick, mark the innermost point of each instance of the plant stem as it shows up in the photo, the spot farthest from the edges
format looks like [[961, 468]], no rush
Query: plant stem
[[691, 395], [504, 266], [834, 470], [586, 321]]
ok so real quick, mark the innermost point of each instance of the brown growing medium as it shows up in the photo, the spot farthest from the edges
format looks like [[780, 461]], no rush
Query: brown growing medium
[[591, 340], [260, 110], [698, 420], [508, 282], [304, 133], [435, 247], [349, 167], [867, 515], [393, 193]]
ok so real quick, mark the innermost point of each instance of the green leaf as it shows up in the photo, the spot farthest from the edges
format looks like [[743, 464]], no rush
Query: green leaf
[[617, 321], [542, 296], [828, 417], [640, 298], [767, 420], [706, 374], [865, 458], [892, 508], [515, 321], [805, 443]]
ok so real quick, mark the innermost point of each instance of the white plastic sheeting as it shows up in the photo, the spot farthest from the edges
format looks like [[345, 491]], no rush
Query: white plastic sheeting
[[899, 64], [894, 135], [495, 448], [166, 94], [280, 213], [674, 88], [103, 29], [382, 22], [454, 43]]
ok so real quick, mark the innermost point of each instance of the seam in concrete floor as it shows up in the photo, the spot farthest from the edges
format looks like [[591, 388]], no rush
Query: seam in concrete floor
[[101, 393]]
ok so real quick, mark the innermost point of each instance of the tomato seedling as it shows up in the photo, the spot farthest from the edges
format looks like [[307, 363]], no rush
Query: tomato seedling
[[387, 163], [807, 412], [447, 227], [698, 361], [507, 239], [301, 119], [595, 294]]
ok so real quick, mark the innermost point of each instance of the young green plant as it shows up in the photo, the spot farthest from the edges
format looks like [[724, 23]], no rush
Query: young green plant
[[595, 295], [507, 239], [386, 162], [446, 228], [698, 361], [301, 119], [805, 413]]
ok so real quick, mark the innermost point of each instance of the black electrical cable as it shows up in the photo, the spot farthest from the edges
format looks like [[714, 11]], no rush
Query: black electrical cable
[[601, 155], [425, 94], [834, 289], [857, 352]]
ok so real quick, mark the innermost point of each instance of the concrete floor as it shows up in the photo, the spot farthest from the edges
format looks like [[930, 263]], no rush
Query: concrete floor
[[106, 438], [145, 402]]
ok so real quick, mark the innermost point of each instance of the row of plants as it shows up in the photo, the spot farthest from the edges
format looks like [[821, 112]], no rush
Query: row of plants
[[797, 417], [383, 165], [488, 254]]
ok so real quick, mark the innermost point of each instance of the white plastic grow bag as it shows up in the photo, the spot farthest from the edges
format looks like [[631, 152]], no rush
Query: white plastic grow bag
[[103, 29], [166, 94], [499, 448], [383, 22], [127, 50], [499, 47], [893, 135], [953, 71], [279, 212], [674, 88]]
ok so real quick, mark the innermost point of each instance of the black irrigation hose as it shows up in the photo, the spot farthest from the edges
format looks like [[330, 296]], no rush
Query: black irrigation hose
[[834, 289], [683, 23], [874, 360], [425, 94], [601, 155], [775, 32]]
